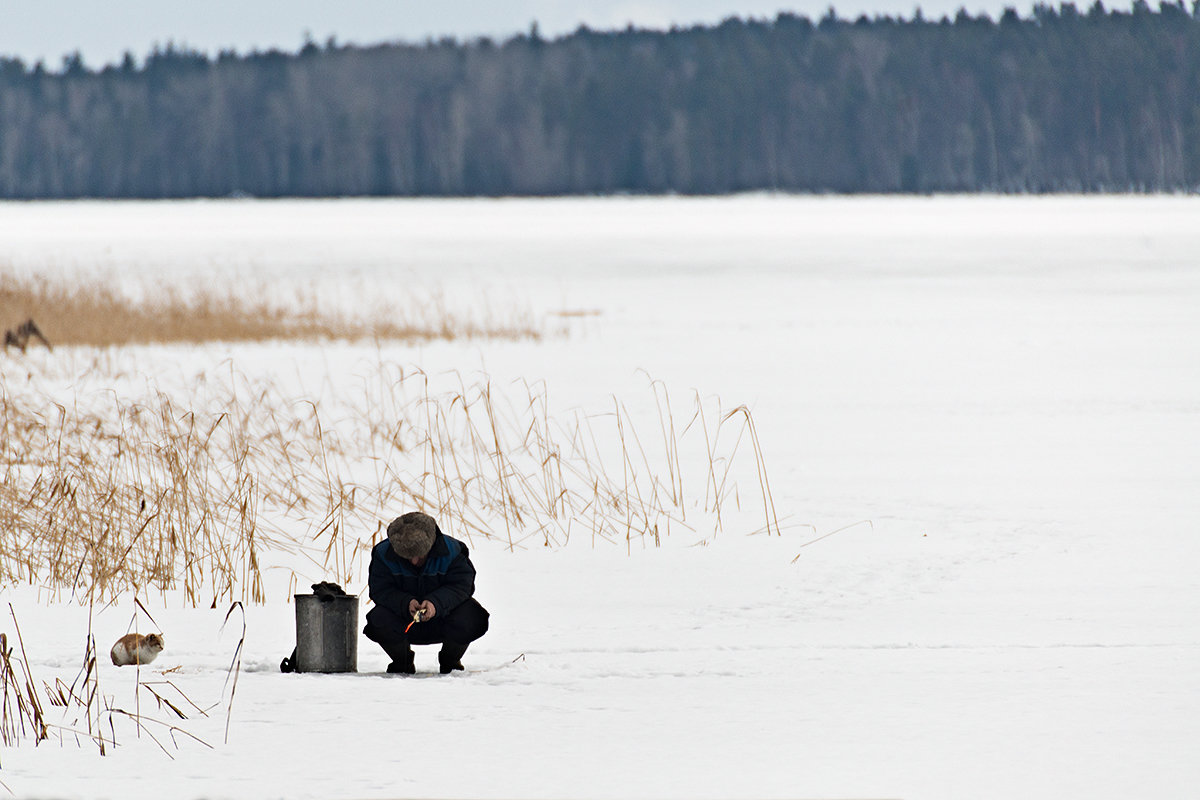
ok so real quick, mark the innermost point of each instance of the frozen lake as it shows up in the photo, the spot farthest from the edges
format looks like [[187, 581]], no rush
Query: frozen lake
[[1006, 389]]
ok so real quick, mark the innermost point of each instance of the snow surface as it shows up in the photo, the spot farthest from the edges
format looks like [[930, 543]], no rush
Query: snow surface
[[1000, 397]]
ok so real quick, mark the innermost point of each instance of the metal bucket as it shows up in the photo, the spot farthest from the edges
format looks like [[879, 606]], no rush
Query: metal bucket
[[326, 633]]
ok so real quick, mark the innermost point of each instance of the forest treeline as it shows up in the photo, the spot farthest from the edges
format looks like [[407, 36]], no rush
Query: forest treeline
[[1061, 100]]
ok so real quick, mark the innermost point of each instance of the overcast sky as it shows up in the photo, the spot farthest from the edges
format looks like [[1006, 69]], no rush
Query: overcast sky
[[103, 31]]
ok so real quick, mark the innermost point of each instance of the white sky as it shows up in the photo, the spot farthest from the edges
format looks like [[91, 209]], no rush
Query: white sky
[[103, 31]]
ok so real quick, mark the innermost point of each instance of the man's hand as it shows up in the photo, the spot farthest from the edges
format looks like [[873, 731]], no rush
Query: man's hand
[[424, 606]]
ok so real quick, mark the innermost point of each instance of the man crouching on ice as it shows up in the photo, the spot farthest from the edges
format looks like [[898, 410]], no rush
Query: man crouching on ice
[[421, 582]]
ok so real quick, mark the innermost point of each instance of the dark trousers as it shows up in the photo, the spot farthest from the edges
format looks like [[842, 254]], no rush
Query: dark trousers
[[458, 627]]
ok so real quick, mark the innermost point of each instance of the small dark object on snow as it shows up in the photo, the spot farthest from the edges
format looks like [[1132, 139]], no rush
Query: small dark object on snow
[[19, 337]]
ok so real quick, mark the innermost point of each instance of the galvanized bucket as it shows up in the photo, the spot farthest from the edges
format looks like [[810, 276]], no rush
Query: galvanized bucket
[[326, 633]]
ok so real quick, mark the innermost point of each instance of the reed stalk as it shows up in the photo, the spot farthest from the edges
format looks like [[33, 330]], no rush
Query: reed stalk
[[206, 489]]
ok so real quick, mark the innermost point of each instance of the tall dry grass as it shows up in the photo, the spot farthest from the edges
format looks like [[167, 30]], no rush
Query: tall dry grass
[[212, 488], [102, 314]]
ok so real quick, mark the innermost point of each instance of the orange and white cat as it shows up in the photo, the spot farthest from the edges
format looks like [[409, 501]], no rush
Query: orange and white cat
[[136, 648]]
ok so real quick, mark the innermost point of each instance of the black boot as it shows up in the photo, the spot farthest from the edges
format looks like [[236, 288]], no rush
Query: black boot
[[450, 657], [398, 650], [403, 661]]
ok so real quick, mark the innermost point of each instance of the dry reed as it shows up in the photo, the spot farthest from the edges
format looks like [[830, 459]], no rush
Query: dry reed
[[206, 491], [21, 714], [99, 314]]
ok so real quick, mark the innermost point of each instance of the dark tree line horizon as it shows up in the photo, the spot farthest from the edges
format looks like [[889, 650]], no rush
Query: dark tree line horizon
[[1063, 100]]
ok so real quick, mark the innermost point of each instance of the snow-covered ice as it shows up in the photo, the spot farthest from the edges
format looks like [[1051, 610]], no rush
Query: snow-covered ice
[[998, 399]]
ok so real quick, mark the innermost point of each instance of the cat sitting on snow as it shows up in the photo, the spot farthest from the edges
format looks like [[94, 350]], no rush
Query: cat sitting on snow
[[137, 648]]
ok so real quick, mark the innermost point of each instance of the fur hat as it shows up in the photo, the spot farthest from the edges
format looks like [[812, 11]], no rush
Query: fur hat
[[412, 534]]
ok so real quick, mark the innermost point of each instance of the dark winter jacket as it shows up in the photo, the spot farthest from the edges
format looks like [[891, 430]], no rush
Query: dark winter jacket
[[446, 579]]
